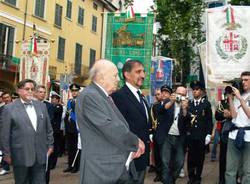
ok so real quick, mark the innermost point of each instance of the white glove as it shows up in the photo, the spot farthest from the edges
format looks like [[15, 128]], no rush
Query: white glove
[[207, 139], [79, 144], [1, 156], [151, 137]]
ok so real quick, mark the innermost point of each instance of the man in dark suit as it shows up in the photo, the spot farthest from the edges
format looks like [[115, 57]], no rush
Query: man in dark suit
[[71, 131], [40, 95], [27, 136], [105, 136], [133, 107], [198, 133], [172, 132]]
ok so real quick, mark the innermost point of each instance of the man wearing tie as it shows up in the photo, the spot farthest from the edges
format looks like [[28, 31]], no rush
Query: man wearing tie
[[134, 108], [105, 135], [27, 136], [198, 132]]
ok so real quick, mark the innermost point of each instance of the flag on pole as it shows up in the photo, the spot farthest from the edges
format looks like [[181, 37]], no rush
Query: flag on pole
[[33, 45], [130, 14], [228, 41]]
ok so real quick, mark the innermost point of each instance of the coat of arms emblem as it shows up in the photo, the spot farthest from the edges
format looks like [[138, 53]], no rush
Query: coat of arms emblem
[[231, 45]]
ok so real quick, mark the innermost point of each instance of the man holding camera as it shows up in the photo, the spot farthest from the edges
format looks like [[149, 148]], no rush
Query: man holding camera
[[199, 132], [173, 125], [238, 149]]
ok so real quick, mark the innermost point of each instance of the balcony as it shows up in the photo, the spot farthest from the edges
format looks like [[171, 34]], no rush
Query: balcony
[[9, 63]]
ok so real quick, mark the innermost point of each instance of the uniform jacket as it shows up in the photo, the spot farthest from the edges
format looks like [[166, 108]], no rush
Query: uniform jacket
[[70, 118], [200, 120]]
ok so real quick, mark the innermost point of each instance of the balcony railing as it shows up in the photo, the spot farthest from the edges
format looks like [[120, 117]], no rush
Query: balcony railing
[[9, 63]]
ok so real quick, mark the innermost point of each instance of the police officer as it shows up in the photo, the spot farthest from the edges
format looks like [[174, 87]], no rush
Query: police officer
[[157, 115], [71, 131], [56, 124], [199, 132]]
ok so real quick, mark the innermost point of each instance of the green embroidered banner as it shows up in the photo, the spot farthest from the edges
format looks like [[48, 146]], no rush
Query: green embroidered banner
[[130, 39]]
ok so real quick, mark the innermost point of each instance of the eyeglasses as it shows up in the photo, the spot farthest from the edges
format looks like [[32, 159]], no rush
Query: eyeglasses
[[28, 89]]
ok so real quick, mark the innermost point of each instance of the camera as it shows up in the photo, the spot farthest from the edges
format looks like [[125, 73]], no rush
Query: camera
[[234, 83], [179, 98]]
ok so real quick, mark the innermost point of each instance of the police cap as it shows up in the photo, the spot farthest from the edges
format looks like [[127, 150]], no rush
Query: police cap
[[74, 87], [197, 85], [166, 88], [55, 95]]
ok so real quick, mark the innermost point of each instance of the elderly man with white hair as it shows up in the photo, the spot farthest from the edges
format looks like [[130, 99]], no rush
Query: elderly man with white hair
[[105, 136]]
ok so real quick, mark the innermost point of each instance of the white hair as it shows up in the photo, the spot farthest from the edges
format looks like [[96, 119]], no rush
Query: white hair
[[100, 66]]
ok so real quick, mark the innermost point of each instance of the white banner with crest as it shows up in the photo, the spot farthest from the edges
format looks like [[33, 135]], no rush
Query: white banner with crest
[[35, 65], [228, 42]]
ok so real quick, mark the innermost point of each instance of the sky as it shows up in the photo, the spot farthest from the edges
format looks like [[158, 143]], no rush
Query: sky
[[142, 6]]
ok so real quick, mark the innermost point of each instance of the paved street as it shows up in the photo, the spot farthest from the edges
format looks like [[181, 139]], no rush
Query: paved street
[[210, 174]]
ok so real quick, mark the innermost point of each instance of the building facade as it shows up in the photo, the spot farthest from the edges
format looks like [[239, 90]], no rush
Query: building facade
[[73, 27]]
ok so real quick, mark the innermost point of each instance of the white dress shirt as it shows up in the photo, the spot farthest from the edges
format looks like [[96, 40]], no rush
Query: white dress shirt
[[134, 91], [174, 128], [241, 119], [30, 109], [197, 102]]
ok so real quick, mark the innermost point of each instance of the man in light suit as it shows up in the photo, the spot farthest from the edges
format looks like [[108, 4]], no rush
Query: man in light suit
[[134, 108], [105, 136], [26, 136]]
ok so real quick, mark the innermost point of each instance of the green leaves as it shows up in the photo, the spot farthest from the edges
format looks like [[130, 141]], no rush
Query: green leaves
[[181, 23]]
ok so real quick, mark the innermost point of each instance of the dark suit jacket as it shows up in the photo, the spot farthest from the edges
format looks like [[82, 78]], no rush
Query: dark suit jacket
[[57, 118], [202, 124], [19, 140], [50, 109], [132, 111], [166, 119]]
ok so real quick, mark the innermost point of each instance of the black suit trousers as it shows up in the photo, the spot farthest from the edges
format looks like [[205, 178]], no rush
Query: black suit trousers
[[71, 139], [195, 159]]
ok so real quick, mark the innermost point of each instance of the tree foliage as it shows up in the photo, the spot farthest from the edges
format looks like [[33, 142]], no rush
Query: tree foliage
[[182, 26], [128, 3]]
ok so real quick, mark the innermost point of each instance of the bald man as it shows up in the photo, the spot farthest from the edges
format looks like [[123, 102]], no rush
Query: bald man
[[105, 136]]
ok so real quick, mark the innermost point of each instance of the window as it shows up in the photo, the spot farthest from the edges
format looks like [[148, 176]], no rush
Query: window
[[6, 39], [94, 23], [78, 59], [215, 4], [39, 8], [12, 2], [61, 48], [69, 9], [58, 15], [91, 57], [80, 16], [95, 6]]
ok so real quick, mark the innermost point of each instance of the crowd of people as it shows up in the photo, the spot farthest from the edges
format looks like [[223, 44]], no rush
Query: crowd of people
[[112, 135]]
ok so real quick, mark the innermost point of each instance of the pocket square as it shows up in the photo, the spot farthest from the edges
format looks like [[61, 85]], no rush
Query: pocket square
[[41, 116]]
